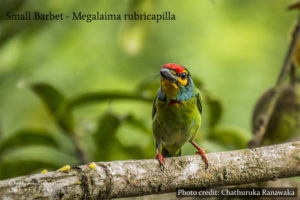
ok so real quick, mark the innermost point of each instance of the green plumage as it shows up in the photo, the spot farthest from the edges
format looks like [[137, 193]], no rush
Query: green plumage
[[176, 116], [176, 121]]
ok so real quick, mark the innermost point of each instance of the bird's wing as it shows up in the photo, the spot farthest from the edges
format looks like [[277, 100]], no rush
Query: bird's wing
[[199, 102], [154, 107]]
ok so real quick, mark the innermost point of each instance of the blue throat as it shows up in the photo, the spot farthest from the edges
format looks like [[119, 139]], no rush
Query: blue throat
[[185, 92]]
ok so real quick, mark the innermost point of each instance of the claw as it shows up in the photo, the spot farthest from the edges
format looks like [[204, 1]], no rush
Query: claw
[[201, 152], [161, 160]]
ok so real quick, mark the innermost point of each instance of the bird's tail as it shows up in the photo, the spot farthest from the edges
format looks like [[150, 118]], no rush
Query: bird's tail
[[165, 153]]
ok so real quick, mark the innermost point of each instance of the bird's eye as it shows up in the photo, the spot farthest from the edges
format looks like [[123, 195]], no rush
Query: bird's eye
[[183, 75]]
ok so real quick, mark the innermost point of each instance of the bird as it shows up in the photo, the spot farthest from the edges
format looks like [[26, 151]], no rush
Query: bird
[[176, 113]]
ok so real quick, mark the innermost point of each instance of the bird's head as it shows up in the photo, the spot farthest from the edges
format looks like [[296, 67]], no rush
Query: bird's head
[[175, 79]]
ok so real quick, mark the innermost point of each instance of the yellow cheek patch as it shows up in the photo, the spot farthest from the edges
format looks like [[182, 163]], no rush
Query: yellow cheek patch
[[183, 82], [169, 88]]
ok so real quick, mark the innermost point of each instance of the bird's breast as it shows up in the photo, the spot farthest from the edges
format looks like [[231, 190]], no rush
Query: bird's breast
[[177, 116], [175, 123]]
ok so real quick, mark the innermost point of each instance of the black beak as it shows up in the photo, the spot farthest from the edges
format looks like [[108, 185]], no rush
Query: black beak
[[166, 74]]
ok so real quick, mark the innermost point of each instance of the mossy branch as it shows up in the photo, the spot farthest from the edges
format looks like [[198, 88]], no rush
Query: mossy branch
[[142, 177]]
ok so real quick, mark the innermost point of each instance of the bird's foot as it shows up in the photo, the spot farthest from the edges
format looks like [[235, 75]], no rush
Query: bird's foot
[[201, 152], [161, 160]]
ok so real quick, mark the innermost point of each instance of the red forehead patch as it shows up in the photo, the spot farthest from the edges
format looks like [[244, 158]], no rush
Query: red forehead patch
[[178, 68]]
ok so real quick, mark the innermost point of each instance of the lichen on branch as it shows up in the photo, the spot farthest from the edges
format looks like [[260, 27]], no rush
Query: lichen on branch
[[141, 177]]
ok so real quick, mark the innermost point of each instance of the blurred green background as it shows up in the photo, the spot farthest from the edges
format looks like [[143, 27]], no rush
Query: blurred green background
[[233, 49]]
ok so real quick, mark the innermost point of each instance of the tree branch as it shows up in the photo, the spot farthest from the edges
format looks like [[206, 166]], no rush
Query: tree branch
[[141, 177], [79, 151], [286, 67], [275, 184]]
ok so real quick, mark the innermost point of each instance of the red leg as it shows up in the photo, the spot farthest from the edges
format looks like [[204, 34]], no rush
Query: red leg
[[200, 152], [160, 158]]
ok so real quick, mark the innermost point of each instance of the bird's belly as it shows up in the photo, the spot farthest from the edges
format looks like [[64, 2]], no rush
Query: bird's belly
[[175, 124]]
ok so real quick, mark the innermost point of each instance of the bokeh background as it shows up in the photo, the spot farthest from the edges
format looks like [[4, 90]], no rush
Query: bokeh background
[[233, 49]]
